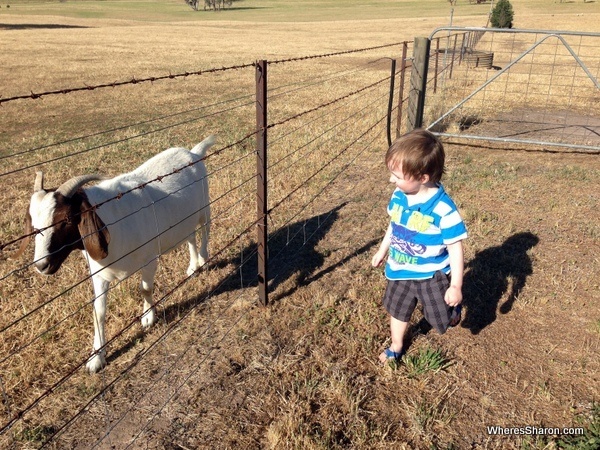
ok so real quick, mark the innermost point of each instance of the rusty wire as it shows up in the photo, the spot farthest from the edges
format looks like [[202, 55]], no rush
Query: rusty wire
[[133, 81], [325, 55], [114, 84]]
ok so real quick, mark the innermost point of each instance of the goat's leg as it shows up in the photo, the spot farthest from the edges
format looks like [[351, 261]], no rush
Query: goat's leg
[[98, 359], [197, 260], [146, 288]]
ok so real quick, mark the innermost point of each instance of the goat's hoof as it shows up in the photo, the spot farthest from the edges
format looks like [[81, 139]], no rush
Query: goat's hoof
[[148, 318], [202, 265], [96, 363]]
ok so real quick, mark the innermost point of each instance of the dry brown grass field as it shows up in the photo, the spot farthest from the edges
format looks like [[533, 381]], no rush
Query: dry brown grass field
[[218, 371]]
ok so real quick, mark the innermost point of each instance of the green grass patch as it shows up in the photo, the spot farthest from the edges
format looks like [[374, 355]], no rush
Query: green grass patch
[[426, 360]]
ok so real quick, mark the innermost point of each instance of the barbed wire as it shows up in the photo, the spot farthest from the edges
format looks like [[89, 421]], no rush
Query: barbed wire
[[114, 84], [345, 52], [186, 74]]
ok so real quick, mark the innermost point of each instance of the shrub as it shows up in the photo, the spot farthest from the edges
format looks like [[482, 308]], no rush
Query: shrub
[[502, 15]]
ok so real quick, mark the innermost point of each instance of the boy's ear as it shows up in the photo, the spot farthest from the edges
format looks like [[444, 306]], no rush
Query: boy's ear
[[424, 178]]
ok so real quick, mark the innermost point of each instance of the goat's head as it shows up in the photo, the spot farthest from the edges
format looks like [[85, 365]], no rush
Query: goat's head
[[64, 221]]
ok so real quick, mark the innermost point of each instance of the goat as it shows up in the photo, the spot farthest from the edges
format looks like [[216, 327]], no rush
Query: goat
[[121, 236]]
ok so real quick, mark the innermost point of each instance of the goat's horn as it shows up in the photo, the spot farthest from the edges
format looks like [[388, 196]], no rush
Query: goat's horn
[[38, 185], [69, 187]]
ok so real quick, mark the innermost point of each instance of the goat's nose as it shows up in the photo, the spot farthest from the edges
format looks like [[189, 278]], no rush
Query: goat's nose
[[42, 265]]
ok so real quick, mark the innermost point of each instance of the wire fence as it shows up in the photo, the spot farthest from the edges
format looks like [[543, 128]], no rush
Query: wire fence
[[321, 120]]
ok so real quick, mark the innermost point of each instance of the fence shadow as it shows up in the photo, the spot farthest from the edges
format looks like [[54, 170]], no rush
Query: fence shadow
[[491, 274], [292, 252], [295, 254]]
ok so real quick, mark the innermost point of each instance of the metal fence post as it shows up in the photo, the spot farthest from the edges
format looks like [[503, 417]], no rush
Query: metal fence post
[[437, 58], [391, 102], [261, 179], [401, 88]]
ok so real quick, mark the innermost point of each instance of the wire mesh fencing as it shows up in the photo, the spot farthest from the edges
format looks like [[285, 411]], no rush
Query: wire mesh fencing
[[534, 87]]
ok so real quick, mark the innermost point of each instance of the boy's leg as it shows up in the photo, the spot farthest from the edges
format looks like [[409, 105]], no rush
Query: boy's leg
[[400, 300], [431, 294], [397, 331]]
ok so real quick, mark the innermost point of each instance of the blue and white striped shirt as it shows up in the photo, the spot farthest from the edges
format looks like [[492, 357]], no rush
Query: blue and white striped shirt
[[421, 234]]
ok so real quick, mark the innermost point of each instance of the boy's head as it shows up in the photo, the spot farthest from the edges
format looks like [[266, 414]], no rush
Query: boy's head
[[418, 153]]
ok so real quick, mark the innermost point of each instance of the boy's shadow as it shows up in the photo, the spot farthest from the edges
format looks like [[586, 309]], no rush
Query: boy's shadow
[[488, 278]]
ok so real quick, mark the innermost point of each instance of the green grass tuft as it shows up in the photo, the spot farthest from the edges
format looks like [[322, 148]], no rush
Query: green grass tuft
[[427, 360]]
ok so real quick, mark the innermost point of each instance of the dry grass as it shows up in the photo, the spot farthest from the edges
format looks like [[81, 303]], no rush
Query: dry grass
[[302, 373]]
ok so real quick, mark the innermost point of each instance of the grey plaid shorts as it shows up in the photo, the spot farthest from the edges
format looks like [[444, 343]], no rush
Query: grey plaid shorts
[[401, 296]]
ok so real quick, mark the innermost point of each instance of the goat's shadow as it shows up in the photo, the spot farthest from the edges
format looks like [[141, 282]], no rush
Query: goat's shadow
[[490, 275]]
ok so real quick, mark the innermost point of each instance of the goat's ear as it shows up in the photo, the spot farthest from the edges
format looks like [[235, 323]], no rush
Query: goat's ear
[[26, 239], [94, 233]]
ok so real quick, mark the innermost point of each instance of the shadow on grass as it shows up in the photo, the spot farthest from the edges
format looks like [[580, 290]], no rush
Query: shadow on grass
[[292, 253], [31, 26], [488, 278]]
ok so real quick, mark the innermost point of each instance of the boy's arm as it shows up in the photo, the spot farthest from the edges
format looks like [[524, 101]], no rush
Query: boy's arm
[[453, 295], [381, 255]]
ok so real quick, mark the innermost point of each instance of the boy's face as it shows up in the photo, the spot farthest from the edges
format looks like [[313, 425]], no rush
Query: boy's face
[[407, 184]]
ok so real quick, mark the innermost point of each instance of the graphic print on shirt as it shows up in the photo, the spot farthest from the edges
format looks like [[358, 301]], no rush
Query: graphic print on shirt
[[403, 249]]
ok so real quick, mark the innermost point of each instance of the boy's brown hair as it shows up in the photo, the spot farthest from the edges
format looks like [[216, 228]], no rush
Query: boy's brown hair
[[419, 152]]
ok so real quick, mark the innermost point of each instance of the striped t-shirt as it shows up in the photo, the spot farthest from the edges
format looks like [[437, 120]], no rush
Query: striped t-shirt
[[420, 234]]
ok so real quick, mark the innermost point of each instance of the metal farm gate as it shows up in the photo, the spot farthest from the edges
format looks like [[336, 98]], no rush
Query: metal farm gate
[[531, 87]]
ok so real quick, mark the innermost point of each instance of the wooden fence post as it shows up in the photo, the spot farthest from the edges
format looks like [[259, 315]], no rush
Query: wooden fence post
[[261, 179], [418, 83]]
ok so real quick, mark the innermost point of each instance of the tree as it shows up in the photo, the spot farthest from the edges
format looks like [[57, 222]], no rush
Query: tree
[[502, 15]]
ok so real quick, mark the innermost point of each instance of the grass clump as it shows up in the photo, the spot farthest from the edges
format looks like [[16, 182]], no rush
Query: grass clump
[[427, 360]]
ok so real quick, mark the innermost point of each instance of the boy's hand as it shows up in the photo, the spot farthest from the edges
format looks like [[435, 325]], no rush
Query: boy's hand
[[453, 296], [378, 258]]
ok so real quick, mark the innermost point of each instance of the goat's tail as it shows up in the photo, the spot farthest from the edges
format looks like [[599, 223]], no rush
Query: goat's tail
[[203, 146]]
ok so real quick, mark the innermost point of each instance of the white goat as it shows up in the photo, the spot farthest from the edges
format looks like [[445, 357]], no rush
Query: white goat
[[122, 236]]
